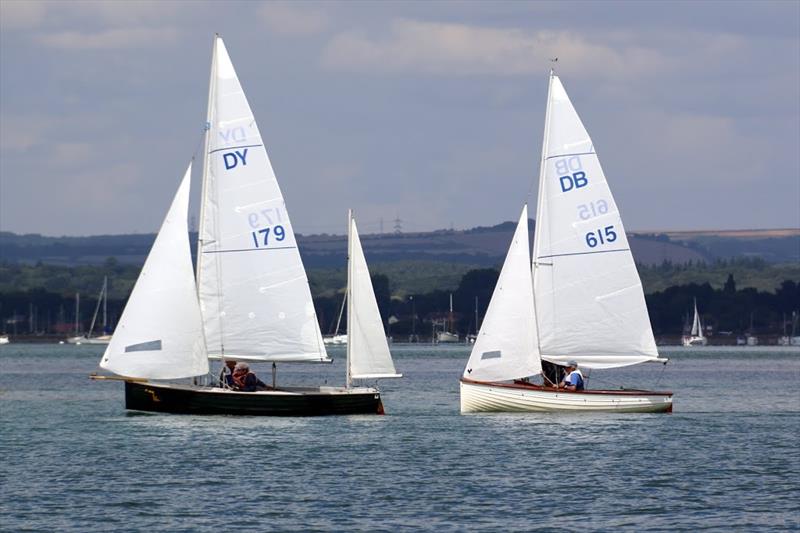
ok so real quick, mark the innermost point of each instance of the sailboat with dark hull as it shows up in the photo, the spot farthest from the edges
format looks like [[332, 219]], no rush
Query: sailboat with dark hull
[[249, 299]]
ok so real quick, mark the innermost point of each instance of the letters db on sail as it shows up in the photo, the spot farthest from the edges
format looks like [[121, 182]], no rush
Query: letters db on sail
[[571, 174]]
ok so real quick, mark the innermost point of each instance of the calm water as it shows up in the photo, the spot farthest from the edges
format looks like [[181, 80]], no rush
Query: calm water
[[727, 458]]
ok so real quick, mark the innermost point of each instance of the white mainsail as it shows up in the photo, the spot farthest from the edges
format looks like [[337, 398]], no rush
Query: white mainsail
[[589, 300], [253, 289], [697, 327], [160, 334], [368, 353], [506, 347]]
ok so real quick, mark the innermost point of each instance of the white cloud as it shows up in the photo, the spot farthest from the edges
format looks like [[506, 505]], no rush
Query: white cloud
[[21, 14], [110, 39], [291, 19], [33, 14], [446, 48], [19, 133]]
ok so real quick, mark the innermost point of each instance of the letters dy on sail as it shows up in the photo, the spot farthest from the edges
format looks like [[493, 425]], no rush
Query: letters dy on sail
[[253, 288]]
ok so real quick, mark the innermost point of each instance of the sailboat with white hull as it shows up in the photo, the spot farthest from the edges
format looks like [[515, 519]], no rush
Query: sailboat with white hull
[[250, 299], [584, 300], [105, 338], [696, 336]]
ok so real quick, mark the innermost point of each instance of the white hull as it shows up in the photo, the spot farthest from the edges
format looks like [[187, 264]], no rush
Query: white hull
[[446, 336], [335, 340], [694, 341], [4, 339], [103, 339], [478, 397]]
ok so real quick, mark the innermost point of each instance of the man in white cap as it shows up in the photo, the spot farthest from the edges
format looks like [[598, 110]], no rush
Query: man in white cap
[[573, 379]]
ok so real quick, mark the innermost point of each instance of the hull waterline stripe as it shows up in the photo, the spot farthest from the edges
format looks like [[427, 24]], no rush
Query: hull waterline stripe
[[249, 250], [570, 155], [584, 253], [235, 148]]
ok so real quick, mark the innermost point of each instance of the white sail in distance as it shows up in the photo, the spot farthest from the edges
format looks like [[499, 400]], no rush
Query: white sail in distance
[[160, 333], [368, 353], [506, 347], [589, 300], [697, 327], [254, 292]]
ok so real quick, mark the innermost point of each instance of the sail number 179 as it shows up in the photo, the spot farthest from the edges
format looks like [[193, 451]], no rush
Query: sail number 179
[[261, 237], [601, 236]]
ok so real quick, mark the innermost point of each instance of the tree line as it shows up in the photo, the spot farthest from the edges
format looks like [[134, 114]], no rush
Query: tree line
[[725, 310]]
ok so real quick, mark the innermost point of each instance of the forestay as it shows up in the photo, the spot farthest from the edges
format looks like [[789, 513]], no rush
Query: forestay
[[367, 350], [506, 347], [253, 288], [589, 300], [160, 335]]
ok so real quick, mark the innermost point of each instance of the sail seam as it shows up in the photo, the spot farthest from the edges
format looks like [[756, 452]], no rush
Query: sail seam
[[582, 253], [235, 147], [570, 155], [249, 250]]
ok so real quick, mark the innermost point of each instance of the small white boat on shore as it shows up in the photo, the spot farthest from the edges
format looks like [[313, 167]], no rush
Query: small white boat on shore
[[584, 302], [4, 339]]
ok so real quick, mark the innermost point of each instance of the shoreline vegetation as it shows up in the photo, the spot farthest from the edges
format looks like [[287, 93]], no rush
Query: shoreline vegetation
[[736, 297]]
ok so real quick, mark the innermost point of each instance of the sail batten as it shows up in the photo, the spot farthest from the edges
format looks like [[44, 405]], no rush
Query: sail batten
[[589, 299], [257, 306]]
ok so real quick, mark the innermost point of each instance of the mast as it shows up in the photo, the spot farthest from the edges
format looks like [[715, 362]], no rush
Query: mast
[[341, 311], [477, 326], [540, 202], [450, 316], [77, 313], [348, 296], [105, 304], [96, 310], [204, 192]]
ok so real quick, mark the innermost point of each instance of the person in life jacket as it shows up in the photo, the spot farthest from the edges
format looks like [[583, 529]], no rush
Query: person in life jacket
[[246, 381], [573, 379]]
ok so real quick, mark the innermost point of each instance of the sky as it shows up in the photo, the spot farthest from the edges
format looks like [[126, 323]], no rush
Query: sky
[[430, 112]]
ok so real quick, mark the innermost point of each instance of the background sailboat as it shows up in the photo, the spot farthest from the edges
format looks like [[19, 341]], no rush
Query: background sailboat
[[102, 302], [696, 336], [448, 335], [337, 338], [586, 302], [251, 300]]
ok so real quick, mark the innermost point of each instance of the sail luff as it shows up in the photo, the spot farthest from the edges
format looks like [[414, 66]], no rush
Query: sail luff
[[540, 203]]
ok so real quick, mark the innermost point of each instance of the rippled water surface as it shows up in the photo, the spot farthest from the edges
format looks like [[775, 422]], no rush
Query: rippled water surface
[[727, 458]]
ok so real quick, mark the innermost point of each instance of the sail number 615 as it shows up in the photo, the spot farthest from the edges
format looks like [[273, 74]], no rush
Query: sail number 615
[[592, 209], [604, 236]]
